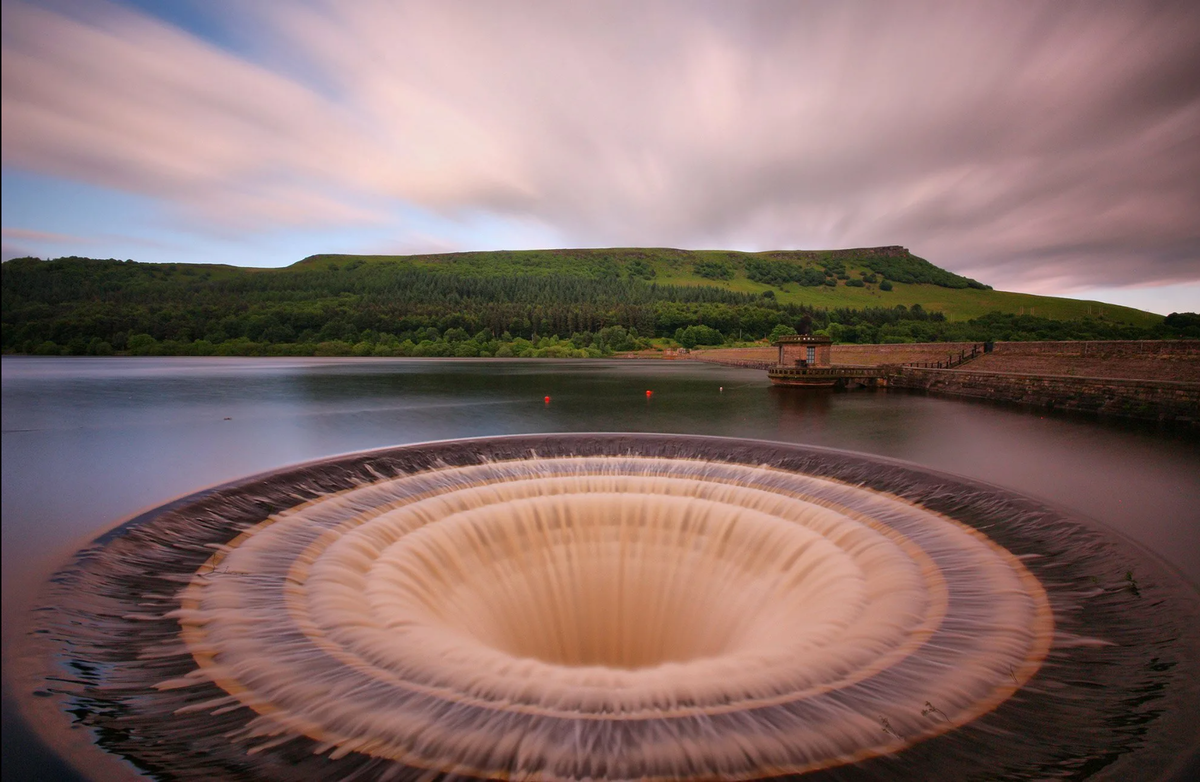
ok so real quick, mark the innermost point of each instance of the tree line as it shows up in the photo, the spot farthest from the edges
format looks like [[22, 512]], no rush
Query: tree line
[[79, 306]]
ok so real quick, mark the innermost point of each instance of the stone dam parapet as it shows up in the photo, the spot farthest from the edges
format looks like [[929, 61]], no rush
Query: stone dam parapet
[[1146, 399], [1147, 379], [1105, 348]]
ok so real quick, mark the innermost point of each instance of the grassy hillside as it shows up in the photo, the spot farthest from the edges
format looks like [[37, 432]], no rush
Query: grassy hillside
[[551, 302], [958, 298]]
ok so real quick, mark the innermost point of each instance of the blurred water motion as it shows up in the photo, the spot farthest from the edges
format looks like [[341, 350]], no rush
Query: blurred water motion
[[87, 442]]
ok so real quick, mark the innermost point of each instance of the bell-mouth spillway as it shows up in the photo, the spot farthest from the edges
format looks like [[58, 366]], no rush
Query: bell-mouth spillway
[[621, 606]]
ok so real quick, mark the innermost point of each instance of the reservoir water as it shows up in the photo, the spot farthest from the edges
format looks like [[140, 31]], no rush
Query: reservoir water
[[87, 442]]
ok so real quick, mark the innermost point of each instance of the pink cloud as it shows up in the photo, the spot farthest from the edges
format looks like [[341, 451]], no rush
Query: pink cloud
[[1035, 144], [24, 234]]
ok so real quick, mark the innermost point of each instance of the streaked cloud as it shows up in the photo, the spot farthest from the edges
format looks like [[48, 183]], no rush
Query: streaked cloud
[[1044, 146], [24, 234]]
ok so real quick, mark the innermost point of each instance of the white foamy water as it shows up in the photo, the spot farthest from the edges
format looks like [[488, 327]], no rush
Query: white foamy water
[[612, 617]]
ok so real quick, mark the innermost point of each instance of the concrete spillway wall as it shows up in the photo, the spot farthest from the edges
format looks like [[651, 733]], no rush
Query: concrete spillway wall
[[1155, 400]]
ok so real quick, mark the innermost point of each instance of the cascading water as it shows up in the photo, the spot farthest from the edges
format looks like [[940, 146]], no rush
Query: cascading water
[[623, 607]]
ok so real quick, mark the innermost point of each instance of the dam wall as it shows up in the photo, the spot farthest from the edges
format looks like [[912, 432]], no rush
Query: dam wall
[[1157, 380], [1146, 399], [1105, 348]]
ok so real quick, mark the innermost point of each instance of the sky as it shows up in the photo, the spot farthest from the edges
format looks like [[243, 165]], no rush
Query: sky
[[1046, 147]]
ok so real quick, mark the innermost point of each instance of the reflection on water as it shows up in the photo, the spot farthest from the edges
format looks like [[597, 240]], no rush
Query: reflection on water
[[88, 441]]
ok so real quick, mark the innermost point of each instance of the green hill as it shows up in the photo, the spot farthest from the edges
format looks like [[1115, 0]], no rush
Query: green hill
[[913, 280], [537, 302]]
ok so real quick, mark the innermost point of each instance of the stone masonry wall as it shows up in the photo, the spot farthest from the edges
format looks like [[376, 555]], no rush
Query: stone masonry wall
[[1113, 348], [1153, 400]]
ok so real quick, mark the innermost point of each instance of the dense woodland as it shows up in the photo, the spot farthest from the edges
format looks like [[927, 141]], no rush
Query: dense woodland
[[525, 307]]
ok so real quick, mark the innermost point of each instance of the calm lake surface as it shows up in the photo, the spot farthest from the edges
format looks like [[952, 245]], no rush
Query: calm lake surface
[[87, 442]]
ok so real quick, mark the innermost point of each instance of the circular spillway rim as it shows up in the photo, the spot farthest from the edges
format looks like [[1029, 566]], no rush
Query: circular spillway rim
[[194, 635], [921, 483]]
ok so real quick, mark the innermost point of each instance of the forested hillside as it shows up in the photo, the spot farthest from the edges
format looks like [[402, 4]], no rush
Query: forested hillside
[[542, 303]]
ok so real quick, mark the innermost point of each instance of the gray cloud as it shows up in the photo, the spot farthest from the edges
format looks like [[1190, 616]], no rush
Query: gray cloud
[[1046, 146]]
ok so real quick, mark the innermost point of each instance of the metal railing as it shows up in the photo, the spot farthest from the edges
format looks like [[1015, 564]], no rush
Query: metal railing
[[951, 361]]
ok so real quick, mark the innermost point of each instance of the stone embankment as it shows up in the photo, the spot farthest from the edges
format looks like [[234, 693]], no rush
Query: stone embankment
[[1173, 360], [1109, 348], [1161, 400], [757, 360], [1148, 379]]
